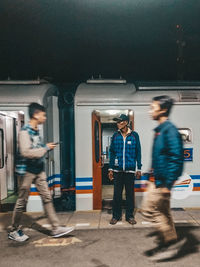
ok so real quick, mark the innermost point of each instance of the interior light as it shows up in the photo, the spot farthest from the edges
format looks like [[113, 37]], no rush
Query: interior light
[[112, 112]]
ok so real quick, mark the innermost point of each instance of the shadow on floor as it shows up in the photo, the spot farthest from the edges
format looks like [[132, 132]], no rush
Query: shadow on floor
[[189, 246]]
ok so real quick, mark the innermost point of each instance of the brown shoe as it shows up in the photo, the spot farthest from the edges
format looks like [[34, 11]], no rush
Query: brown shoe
[[131, 221], [114, 221]]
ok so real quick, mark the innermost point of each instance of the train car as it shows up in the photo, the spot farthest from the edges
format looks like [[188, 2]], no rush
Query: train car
[[15, 96], [97, 102]]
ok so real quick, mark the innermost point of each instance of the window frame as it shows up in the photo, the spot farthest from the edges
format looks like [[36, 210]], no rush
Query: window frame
[[2, 148], [96, 138]]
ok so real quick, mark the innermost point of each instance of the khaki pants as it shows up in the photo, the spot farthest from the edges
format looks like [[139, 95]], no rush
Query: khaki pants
[[24, 189], [156, 208]]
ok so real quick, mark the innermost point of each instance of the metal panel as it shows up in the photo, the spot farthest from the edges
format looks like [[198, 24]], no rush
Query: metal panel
[[10, 153], [52, 132], [3, 184], [15, 95], [183, 116]]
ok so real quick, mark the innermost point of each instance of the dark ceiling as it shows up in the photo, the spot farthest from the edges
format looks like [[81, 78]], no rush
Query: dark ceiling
[[71, 40]]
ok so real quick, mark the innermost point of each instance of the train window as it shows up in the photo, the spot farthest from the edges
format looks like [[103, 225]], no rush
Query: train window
[[1, 149], [186, 134], [96, 134]]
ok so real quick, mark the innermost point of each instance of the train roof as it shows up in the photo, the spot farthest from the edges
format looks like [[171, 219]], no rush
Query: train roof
[[25, 92], [108, 94]]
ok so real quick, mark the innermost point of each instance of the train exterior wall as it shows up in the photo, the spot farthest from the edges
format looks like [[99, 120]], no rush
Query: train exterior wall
[[83, 154], [17, 97], [184, 115]]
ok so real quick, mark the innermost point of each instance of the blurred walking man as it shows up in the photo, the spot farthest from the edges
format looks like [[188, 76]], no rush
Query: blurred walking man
[[167, 166], [125, 153], [31, 170]]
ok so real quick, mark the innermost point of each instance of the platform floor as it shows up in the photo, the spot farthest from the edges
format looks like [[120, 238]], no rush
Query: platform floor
[[97, 220]]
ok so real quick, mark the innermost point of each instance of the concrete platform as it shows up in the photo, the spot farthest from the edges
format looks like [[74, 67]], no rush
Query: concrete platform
[[97, 220]]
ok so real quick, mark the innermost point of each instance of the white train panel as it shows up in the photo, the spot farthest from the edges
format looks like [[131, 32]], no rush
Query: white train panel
[[104, 97], [15, 99]]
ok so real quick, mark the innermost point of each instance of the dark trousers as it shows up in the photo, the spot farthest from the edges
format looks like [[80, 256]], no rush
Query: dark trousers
[[122, 179]]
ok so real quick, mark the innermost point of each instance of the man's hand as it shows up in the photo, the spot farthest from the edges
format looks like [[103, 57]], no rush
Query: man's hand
[[51, 145], [110, 175], [165, 190], [138, 174]]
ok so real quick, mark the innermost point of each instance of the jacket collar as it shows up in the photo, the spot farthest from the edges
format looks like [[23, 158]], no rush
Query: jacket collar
[[129, 131], [162, 126], [31, 128]]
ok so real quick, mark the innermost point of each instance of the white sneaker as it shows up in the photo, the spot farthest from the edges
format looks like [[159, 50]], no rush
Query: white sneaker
[[18, 236], [60, 231]]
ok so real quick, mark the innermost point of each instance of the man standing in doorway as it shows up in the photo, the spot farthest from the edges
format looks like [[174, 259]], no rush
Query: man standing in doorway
[[125, 152], [31, 170], [167, 166]]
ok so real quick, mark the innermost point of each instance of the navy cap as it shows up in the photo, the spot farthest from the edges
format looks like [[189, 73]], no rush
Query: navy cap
[[122, 117]]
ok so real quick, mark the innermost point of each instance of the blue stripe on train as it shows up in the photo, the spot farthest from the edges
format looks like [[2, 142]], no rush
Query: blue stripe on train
[[139, 185], [84, 187], [195, 176], [181, 186], [53, 183], [84, 179], [33, 189], [53, 176]]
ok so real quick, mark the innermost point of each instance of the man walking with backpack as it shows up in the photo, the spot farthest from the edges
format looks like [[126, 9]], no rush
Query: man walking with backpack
[[31, 169]]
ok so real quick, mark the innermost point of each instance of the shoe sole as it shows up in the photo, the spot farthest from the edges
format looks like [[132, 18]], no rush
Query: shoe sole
[[170, 252], [11, 238], [165, 255], [132, 222], [120, 220], [64, 233]]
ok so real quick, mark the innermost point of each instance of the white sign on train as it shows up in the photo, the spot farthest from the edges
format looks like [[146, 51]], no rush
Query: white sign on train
[[183, 187]]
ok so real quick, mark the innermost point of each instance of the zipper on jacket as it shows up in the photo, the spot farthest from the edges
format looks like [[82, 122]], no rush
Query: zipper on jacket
[[124, 138]]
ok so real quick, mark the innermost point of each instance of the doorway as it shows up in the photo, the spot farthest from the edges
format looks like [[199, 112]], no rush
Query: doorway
[[10, 124], [103, 127]]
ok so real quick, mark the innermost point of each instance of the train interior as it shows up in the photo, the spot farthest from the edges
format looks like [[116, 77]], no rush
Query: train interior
[[10, 124], [107, 186]]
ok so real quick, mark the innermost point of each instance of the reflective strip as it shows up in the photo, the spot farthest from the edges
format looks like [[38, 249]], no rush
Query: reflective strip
[[84, 179], [84, 191], [84, 187], [196, 189], [85, 184]]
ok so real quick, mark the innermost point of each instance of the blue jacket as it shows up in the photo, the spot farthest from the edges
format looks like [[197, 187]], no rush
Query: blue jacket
[[167, 155], [124, 153]]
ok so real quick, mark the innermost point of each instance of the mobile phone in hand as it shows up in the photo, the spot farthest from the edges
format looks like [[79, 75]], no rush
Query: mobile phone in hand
[[57, 143]]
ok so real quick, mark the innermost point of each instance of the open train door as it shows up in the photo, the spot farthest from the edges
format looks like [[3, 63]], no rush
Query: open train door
[[53, 135], [3, 182], [97, 166]]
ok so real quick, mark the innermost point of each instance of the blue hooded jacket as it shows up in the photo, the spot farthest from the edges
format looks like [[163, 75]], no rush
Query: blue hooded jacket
[[167, 155]]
